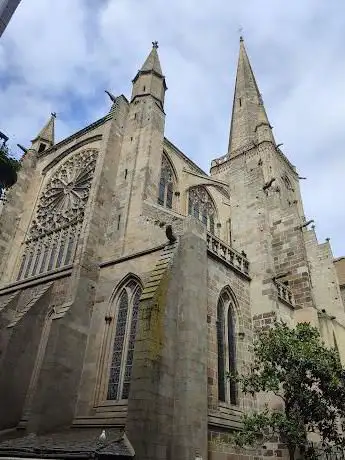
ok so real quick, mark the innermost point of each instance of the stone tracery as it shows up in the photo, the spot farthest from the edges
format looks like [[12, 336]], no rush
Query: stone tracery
[[54, 232], [200, 205], [64, 198], [165, 192]]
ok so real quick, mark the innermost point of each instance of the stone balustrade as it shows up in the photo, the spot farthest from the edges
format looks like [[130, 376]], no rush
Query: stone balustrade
[[284, 293], [228, 254]]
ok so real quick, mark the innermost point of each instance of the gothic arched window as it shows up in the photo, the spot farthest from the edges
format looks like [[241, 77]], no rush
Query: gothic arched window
[[54, 233], [226, 342], [127, 310], [166, 184], [200, 205]]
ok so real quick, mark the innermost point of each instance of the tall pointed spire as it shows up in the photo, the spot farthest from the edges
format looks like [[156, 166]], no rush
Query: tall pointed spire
[[150, 79], [46, 137], [249, 123]]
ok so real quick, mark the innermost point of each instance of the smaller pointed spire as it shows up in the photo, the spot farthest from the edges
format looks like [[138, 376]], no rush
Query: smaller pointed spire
[[149, 80], [46, 137], [152, 60]]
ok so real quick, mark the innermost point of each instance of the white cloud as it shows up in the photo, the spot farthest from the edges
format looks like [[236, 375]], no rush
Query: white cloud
[[60, 56]]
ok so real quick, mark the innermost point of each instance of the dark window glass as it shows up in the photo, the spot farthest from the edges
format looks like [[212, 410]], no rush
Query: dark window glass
[[22, 265], [211, 224], [52, 258], [220, 343], [196, 210], [169, 195], [27, 270], [130, 351], [61, 253], [232, 356], [161, 194], [37, 259], [165, 192], [69, 252], [115, 368], [44, 260]]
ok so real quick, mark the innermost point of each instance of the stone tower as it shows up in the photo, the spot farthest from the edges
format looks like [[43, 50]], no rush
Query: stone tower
[[267, 217], [132, 282]]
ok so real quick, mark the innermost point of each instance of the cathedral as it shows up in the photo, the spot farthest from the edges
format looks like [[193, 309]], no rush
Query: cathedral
[[132, 282]]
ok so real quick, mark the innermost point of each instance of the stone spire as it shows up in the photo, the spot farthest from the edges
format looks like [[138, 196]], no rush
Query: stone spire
[[46, 136], [249, 123], [152, 61], [150, 79]]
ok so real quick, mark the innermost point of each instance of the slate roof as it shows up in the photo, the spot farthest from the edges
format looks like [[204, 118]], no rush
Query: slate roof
[[73, 443]]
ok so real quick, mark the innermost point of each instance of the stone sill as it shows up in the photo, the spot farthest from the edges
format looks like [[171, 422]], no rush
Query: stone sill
[[134, 255], [33, 281], [225, 417]]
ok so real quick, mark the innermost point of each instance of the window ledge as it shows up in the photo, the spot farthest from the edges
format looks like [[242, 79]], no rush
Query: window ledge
[[38, 279]]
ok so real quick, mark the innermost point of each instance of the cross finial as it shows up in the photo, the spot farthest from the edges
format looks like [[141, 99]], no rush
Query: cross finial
[[155, 44], [53, 114]]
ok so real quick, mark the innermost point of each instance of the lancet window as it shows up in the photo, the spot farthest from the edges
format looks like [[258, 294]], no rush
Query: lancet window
[[200, 205], [226, 342], [127, 311], [166, 184], [54, 233]]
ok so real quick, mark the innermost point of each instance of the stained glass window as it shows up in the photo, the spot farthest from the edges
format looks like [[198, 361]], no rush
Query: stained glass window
[[22, 265], [28, 266], [166, 187], [200, 205], [59, 213], [226, 341], [220, 343], [37, 259], [123, 346], [232, 356]]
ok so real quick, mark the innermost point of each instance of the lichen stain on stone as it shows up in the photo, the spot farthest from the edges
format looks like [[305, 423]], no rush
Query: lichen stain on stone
[[156, 318]]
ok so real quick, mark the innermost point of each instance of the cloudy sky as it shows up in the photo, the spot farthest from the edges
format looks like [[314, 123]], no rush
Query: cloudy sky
[[61, 55]]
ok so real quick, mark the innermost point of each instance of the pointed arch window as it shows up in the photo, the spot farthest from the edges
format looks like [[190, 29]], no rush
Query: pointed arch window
[[226, 344], [166, 184], [200, 205], [127, 311], [53, 235]]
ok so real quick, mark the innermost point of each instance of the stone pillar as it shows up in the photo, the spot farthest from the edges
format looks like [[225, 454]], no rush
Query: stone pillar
[[167, 407]]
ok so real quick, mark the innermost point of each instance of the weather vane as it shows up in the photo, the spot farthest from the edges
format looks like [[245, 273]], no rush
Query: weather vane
[[240, 31], [155, 44], [53, 114]]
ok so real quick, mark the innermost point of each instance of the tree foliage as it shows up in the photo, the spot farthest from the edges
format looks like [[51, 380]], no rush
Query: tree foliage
[[296, 366], [8, 168]]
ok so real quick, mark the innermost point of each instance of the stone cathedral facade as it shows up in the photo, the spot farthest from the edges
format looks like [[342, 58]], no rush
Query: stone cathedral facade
[[132, 282]]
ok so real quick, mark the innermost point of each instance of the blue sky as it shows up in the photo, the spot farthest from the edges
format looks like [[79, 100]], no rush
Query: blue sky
[[60, 56]]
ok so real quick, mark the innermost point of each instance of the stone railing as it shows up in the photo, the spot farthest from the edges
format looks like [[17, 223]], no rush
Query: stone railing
[[226, 157], [284, 293], [229, 255]]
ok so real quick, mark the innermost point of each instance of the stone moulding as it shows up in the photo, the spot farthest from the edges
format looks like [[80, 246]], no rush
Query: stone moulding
[[227, 255]]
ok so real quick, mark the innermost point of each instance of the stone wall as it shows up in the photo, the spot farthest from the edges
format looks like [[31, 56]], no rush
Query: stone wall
[[167, 408]]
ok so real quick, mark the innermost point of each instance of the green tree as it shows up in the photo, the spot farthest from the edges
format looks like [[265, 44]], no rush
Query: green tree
[[295, 365], [8, 168]]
